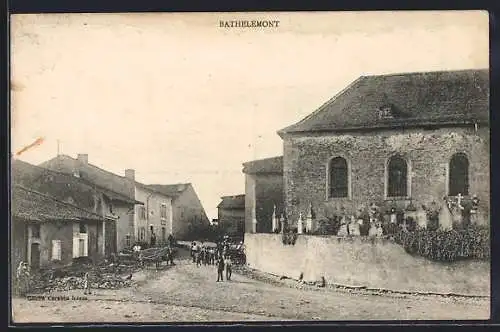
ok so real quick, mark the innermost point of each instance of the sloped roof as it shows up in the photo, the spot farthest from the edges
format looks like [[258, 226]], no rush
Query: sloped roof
[[172, 190], [416, 99], [232, 202], [28, 175], [109, 180], [34, 206], [272, 165]]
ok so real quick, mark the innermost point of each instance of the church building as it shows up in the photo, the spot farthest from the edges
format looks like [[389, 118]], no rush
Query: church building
[[393, 140]]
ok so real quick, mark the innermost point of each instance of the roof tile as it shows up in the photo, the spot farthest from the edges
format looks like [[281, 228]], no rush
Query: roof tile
[[31, 205], [425, 98]]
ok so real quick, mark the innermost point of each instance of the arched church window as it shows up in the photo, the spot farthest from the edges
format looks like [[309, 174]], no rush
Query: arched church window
[[397, 184], [459, 175], [338, 178]]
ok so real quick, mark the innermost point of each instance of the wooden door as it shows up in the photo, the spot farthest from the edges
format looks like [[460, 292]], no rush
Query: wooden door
[[110, 237], [35, 256]]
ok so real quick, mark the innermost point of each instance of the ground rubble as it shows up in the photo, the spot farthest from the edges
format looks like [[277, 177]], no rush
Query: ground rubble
[[102, 276]]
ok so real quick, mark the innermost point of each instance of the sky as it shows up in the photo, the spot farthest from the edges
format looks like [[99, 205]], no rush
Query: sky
[[180, 99]]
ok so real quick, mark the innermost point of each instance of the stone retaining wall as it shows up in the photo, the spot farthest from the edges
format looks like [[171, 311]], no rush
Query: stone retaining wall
[[364, 261]]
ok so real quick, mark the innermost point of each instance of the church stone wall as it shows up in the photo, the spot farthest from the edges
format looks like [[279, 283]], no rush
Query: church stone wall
[[428, 153]]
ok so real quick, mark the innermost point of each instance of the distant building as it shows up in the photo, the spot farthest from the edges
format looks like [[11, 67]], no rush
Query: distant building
[[187, 211], [113, 207], [45, 230], [232, 214], [154, 216], [263, 193]]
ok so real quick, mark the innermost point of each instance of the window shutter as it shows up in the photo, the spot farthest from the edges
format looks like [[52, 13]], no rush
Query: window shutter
[[56, 249], [76, 246]]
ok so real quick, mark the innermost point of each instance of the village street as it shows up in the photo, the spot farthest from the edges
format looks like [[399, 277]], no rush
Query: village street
[[189, 293]]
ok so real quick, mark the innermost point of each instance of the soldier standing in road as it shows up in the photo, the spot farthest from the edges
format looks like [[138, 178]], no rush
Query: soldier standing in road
[[228, 265], [153, 239], [193, 251], [220, 269]]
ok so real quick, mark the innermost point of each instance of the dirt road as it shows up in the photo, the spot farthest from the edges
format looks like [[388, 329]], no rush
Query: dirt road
[[189, 293]]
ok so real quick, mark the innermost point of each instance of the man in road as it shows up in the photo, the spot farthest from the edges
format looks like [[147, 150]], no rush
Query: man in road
[[228, 265], [153, 239], [220, 269], [193, 251]]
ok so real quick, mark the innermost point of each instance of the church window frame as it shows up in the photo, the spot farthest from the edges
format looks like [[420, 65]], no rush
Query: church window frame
[[395, 189], [341, 189], [455, 176]]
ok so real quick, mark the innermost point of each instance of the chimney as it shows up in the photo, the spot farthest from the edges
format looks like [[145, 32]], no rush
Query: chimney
[[83, 158], [130, 174]]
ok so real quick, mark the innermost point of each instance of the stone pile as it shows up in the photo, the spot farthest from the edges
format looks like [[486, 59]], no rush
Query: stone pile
[[70, 283], [69, 278]]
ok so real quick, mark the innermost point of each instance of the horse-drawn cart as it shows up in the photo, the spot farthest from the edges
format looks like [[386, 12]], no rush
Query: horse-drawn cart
[[237, 255], [148, 256]]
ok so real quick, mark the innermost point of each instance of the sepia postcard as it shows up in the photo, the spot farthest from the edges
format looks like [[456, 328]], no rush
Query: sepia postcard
[[272, 166]]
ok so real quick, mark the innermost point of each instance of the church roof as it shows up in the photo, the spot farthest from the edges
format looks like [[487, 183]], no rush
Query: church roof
[[272, 165], [403, 100]]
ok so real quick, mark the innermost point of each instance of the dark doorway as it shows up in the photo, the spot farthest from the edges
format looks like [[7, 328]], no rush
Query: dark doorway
[[110, 237], [35, 256]]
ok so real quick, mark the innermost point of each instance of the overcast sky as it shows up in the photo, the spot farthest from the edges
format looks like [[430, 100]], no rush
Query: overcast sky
[[179, 99]]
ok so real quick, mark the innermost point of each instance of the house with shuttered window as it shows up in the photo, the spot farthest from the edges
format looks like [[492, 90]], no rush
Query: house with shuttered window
[[46, 230], [92, 240], [151, 214]]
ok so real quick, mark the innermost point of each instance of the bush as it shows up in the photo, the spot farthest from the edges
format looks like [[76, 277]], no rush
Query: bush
[[432, 220], [411, 224], [328, 226], [447, 246], [364, 228], [289, 238], [390, 228]]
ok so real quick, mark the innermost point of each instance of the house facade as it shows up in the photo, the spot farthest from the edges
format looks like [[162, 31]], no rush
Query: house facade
[[114, 207], [152, 216], [231, 215], [392, 140], [188, 213], [45, 230], [264, 194]]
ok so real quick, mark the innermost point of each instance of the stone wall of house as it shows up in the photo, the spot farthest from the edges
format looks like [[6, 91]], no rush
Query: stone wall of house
[[233, 219], [250, 201], [152, 203], [62, 231], [262, 193], [428, 153], [268, 193], [187, 210], [124, 227], [363, 261], [19, 237]]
